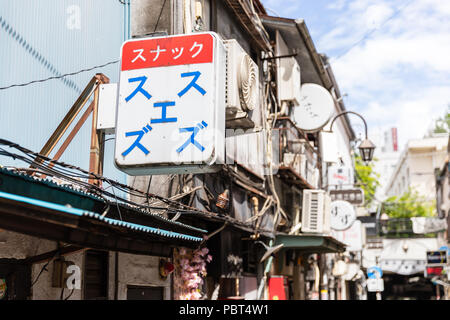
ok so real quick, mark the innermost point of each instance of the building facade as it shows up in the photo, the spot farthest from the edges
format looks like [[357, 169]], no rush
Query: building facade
[[416, 167], [248, 231]]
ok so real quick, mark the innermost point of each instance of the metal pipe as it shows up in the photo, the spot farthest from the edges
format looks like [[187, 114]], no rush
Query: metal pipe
[[346, 112], [266, 271], [280, 57], [129, 19]]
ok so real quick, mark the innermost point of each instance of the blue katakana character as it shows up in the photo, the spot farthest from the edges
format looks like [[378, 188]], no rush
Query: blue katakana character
[[164, 118], [191, 139], [136, 143], [193, 83], [139, 88]]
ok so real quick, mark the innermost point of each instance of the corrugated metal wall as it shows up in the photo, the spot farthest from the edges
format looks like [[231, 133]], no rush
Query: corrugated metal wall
[[46, 38]]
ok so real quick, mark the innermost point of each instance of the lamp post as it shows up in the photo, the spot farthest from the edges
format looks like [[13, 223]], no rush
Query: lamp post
[[366, 147]]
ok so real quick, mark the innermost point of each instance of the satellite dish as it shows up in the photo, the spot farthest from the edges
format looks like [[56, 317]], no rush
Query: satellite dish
[[315, 109], [270, 250]]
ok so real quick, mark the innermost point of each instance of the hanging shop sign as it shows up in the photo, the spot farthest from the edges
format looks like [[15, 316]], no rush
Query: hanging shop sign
[[171, 105], [354, 196], [340, 176], [374, 272], [403, 267], [375, 285], [315, 109], [277, 290], [2, 288], [431, 272], [343, 215], [437, 258], [352, 237]]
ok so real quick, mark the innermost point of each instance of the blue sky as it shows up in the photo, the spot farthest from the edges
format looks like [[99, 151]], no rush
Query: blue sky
[[391, 57]]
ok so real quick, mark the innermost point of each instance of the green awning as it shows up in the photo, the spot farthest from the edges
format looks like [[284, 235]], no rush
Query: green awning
[[309, 243]]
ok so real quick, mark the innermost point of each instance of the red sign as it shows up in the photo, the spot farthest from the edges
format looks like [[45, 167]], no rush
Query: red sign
[[433, 271], [167, 51], [394, 139], [276, 288]]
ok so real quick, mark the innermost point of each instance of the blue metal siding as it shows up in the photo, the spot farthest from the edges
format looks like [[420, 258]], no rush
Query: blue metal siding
[[36, 43], [96, 216]]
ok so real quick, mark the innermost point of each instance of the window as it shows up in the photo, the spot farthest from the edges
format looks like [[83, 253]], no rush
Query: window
[[96, 275]]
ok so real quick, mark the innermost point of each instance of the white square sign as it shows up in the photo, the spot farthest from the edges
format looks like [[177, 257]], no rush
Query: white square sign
[[375, 285], [171, 105]]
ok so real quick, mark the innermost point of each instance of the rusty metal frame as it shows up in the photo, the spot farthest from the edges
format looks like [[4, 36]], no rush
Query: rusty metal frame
[[97, 137]]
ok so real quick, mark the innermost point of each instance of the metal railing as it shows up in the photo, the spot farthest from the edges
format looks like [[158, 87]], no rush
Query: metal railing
[[399, 228]]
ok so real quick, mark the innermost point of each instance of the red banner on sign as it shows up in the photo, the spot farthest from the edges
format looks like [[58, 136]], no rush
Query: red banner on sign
[[394, 139], [276, 288], [169, 51]]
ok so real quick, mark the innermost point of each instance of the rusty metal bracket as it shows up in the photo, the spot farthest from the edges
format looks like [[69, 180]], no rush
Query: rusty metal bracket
[[97, 147]]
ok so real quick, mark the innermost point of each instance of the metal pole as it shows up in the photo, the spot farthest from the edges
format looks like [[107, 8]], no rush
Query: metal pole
[[266, 271], [352, 112], [378, 294], [97, 137]]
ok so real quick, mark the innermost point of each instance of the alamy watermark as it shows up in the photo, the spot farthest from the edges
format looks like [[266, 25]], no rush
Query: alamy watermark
[[74, 279]]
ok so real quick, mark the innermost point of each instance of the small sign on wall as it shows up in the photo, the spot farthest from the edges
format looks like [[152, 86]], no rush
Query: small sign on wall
[[3, 288]]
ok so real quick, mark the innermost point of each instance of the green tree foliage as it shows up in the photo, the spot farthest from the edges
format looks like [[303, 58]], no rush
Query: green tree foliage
[[408, 205], [442, 124], [367, 178]]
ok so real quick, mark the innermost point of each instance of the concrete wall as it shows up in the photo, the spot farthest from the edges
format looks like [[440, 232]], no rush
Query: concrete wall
[[144, 17], [139, 271], [43, 290], [135, 270], [19, 246]]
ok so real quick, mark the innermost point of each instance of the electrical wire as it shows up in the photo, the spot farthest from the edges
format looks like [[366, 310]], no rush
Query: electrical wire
[[62, 171], [67, 175], [369, 33], [44, 268], [71, 293], [59, 77], [160, 13]]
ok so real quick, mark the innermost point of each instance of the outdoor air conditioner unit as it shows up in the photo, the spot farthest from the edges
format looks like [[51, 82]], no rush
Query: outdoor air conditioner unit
[[316, 210], [289, 82], [242, 87]]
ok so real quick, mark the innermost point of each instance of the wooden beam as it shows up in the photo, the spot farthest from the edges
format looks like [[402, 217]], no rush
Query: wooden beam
[[97, 137], [44, 257], [70, 116], [72, 135]]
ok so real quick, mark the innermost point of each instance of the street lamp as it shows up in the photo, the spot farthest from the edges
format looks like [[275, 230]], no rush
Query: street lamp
[[366, 147]]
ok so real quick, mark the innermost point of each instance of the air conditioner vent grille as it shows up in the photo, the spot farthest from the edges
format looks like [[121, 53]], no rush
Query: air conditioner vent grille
[[315, 211]]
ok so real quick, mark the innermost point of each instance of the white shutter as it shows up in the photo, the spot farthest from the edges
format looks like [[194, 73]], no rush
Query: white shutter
[[313, 211]]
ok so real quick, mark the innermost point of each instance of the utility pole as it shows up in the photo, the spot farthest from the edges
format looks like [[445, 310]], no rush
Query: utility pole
[[378, 294]]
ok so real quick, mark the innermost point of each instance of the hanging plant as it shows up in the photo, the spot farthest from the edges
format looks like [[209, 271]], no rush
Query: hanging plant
[[190, 271]]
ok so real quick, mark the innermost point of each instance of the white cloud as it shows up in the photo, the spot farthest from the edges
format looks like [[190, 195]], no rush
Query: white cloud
[[376, 14], [282, 9], [337, 5], [412, 113], [399, 75]]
